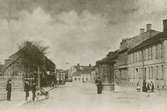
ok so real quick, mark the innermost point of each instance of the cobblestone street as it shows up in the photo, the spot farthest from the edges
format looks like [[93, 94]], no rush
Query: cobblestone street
[[83, 97]]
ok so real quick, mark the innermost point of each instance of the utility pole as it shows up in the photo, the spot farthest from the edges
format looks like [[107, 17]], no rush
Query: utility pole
[[39, 78]]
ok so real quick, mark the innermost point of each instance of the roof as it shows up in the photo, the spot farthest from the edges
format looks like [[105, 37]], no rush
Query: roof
[[149, 42], [136, 40], [109, 59], [17, 55], [83, 70]]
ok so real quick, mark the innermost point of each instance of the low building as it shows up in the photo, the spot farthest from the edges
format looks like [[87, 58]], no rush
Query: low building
[[61, 76], [16, 69], [105, 70], [83, 74]]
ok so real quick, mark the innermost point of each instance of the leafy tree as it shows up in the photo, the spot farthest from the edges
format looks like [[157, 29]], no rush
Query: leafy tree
[[33, 54]]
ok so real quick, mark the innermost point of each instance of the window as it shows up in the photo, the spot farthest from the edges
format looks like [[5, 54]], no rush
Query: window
[[160, 51], [151, 75], [144, 54], [153, 52], [140, 56], [157, 72], [160, 77], [149, 53], [135, 57], [148, 72]]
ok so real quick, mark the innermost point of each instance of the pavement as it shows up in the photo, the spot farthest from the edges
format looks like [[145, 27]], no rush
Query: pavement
[[83, 97]]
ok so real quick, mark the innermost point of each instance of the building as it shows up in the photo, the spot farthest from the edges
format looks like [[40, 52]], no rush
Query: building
[[114, 68], [121, 64], [83, 73], [16, 69], [61, 76], [1, 69], [105, 70], [148, 60]]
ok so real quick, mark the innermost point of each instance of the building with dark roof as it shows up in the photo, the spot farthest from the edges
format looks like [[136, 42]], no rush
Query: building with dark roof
[[114, 67], [121, 65], [16, 69], [105, 70]]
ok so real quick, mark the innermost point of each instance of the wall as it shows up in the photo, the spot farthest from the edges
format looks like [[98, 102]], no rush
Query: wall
[[148, 64]]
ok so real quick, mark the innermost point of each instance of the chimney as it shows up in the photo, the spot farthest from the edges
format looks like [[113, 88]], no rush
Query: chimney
[[78, 66], [141, 30], [89, 65], [165, 25], [148, 27]]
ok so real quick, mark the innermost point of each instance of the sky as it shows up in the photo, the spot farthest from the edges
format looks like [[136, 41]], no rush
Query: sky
[[76, 31]]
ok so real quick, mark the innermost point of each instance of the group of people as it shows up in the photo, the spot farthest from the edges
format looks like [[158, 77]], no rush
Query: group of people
[[146, 87], [27, 89]]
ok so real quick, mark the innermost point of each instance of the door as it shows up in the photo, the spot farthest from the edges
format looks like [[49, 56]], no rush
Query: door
[[144, 74]]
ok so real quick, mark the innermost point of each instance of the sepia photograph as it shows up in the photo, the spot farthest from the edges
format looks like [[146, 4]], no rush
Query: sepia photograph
[[83, 55]]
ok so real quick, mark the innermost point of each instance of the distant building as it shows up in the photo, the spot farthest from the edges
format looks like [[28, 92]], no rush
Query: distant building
[[83, 73], [61, 76]]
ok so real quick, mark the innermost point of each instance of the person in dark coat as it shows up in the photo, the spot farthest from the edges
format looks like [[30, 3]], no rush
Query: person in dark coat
[[27, 89], [152, 86], [99, 86], [33, 91], [148, 87], [9, 89], [144, 87]]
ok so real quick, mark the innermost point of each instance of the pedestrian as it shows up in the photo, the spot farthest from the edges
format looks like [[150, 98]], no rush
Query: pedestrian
[[33, 91], [9, 89], [148, 87], [27, 89], [152, 86], [144, 88], [53, 84], [99, 86], [138, 87]]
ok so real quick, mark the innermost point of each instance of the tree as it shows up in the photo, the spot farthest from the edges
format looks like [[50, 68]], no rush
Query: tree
[[33, 55]]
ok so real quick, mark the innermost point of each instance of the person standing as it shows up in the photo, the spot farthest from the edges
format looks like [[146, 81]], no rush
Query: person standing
[[138, 87], [152, 86], [148, 87], [33, 91], [9, 89], [99, 86], [27, 89], [144, 87]]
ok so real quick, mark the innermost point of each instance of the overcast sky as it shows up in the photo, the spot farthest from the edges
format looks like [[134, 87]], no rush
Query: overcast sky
[[77, 31]]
